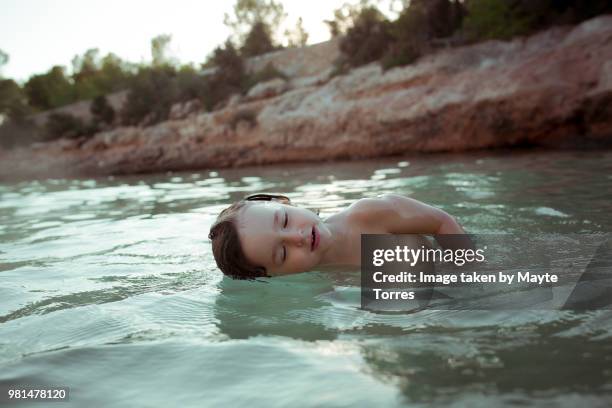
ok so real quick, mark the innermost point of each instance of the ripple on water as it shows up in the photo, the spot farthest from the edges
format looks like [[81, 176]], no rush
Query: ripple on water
[[116, 275], [221, 373], [551, 212]]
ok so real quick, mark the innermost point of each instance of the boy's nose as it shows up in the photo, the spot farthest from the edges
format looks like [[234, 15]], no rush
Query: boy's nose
[[296, 237]]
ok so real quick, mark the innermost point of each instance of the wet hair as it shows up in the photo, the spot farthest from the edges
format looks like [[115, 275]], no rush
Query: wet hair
[[226, 246]]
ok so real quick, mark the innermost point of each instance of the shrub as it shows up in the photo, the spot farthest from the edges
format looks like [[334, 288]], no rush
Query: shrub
[[442, 17], [344, 18], [417, 26], [367, 40], [371, 37], [400, 55], [229, 78], [268, 73], [151, 95], [411, 36], [339, 68], [190, 84], [101, 111], [258, 19], [258, 41], [545, 13], [155, 89], [47, 91], [91, 77], [13, 101], [496, 19], [298, 37], [64, 125], [583, 10]]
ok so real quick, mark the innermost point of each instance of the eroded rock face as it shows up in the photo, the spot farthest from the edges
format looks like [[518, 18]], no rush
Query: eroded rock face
[[267, 89], [553, 89], [182, 110]]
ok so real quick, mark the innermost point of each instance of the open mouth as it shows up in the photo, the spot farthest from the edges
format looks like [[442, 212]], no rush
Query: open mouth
[[314, 239]]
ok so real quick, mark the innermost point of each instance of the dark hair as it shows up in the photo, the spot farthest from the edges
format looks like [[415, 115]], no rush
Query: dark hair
[[226, 246]]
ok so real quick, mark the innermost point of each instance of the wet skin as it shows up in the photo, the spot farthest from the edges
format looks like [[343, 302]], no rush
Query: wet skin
[[286, 239], [280, 237]]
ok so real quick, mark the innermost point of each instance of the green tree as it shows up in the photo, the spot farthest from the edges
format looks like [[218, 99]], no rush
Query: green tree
[[114, 74], [411, 36], [191, 85], [94, 76], [298, 37], [14, 128], [101, 111], [258, 41], [63, 125], [583, 10], [153, 90], [50, 90], [418, 25], [249, 13], [443, 17], [13, 102], [541, 14], [230, 75], [160, 49], [345, 17], [496, 19], [367, 39], [87, 64], [85, 70]]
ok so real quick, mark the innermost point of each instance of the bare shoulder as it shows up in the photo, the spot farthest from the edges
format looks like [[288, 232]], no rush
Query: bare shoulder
[[384, 201], [394, 213], [371, 209]]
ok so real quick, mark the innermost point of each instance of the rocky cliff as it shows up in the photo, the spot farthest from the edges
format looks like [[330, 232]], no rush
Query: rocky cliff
[[552, 89]]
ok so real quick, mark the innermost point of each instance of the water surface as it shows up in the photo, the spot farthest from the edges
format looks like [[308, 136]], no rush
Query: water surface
[[109, 286]]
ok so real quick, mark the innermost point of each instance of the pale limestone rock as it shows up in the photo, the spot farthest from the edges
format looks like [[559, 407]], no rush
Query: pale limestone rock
[[182, 110], [267, 89], [552, 89]]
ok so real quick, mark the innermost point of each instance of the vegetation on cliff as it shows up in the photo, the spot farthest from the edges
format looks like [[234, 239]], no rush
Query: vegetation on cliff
[[424, 25], [152, 88], [367, 35]]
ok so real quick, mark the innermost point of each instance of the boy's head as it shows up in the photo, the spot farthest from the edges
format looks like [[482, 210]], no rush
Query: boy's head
[[265, 235]]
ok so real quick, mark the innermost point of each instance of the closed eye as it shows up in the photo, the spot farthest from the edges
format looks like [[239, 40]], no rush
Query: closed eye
[[286, 220], [284, 253]]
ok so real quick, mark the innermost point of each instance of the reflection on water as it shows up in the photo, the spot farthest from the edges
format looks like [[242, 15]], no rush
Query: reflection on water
[[107, 282]]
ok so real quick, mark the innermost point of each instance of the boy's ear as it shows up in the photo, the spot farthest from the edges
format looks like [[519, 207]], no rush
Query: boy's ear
[[282, 199], [269, 197]]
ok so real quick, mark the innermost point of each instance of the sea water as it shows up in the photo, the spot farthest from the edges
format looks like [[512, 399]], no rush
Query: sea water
[[108, 286]]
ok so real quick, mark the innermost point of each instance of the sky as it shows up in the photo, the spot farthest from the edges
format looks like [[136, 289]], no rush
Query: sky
[[38, 34]]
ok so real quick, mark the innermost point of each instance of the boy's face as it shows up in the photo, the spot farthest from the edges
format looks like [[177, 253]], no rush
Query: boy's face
[[283, 239]]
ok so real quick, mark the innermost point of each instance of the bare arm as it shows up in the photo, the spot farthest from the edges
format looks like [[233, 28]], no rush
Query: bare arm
[[402, 215]]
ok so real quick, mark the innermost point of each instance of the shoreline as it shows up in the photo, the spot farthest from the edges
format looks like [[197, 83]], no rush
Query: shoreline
[[410, 158], [549, 90]]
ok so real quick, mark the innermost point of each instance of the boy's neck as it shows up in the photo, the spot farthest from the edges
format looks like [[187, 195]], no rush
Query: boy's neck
[[337, 253]]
